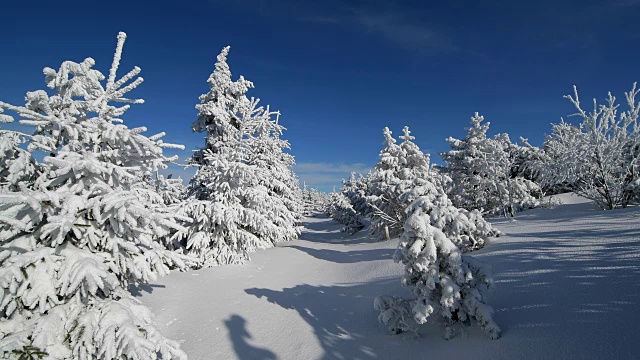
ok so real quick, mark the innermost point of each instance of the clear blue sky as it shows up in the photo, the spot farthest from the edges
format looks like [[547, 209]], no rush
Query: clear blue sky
[[339, 71]]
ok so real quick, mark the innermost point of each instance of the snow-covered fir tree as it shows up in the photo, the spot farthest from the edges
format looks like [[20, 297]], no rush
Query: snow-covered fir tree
[[269, 153], [313, 200], [445, 283], [76, 237], [517, 192], [240, 198], [435, 234], [383, 190], [481, 169], [598, 158], [355, 189], [340, 209]]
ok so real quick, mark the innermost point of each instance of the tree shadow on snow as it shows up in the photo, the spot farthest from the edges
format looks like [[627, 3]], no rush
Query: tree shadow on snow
[[137, 290], [329, 232], [579, 284], [238, 334], [569, 213], [346, 257], [342, 317]]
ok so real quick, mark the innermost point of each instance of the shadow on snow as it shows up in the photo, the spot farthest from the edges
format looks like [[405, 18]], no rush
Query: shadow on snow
[[339, 315], [346, 257], [238, 334]]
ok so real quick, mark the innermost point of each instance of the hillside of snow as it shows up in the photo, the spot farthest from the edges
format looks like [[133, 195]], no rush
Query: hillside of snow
[[567, 286]]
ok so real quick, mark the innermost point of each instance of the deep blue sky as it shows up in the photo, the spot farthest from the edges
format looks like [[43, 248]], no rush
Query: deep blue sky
[[339, 71]]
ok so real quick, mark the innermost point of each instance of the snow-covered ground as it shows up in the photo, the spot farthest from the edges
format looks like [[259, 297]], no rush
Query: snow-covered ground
[[567, 287]]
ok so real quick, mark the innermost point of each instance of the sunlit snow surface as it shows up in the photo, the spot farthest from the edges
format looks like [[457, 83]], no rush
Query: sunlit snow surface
[[567, 287]]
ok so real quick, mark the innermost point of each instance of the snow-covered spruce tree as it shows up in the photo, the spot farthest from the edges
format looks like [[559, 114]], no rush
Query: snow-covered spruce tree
[[599, 157], [516, 191], [78, 236], [313, 200], [355, 189], [341, 210], [383, 190], [481, 172], [232, 199], [391, 178], [443, 281], [268, 153]]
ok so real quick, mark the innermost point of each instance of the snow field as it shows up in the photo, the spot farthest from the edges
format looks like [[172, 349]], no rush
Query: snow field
[[566, 278]]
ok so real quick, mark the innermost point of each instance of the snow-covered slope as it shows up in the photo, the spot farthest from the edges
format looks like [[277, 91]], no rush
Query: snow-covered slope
[[568, 287]]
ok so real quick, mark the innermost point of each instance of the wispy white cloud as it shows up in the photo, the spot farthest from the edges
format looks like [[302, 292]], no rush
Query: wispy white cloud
[[400, 29], [394, 22]]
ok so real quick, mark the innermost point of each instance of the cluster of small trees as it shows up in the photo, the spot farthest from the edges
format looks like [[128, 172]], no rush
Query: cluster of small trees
[[405, 196], [438, 211], [486, 172], [596, 158], [483, 175], [85, 214]]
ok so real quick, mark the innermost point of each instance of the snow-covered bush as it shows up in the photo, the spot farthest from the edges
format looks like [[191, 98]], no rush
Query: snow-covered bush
[[444, 282], [482, 173], [341, 210], [241, 197], [171, 190], [74, 239], [598, 158]]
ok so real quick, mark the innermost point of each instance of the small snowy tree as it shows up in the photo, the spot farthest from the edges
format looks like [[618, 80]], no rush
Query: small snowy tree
[[355, 189], [78, 236], [268, 153], [444, 282], [313, 200], [236, 202], [515, 191], [384, 190], [341, 210], [599, 157]]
